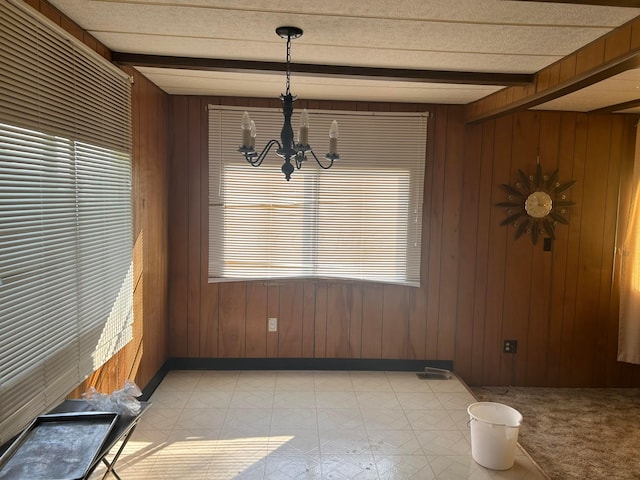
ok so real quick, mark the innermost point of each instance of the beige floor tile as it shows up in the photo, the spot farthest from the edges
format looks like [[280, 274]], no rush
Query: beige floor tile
[[293, 467], [339, 418], [295, 381], [293, 399], [394, 442], [201, 418], [353, 441], [385, 419], [296, 418], [431, 420], [419, 400], [159, 419], [259, 380], [455, 400], [327, 399], [443, 442], [332, 382], [405, 467], [209, 399], [252, 399], [377, 399], [349, 467], [292, 441]]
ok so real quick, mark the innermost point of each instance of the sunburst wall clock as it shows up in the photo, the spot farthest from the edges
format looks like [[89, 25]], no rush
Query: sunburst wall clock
[[536, 204]]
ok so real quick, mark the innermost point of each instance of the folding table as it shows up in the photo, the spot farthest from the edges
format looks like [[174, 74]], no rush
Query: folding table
[[124, 427], [68, 443]]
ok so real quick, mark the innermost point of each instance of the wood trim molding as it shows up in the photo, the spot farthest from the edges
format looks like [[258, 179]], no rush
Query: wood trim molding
[[605, 57]]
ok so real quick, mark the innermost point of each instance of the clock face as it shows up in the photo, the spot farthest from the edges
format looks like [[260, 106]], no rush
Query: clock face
[[538, 204]]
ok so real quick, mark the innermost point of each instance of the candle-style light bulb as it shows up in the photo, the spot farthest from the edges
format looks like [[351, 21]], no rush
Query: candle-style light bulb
[[303, 131], [246, 130], [253, 134], [333, 138]]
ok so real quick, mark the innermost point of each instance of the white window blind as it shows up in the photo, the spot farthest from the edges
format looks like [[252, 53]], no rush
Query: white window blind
[[65, 214], [360, 220]]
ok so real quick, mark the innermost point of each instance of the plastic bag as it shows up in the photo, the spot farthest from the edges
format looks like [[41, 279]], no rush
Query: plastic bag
[[122, 402]]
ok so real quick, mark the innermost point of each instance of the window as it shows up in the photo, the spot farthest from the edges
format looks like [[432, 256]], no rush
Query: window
[[65, 214], [360, 220]]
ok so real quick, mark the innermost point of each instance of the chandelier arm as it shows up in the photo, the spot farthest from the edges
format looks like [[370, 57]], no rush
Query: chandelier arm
[[256, 160], [327, 167]]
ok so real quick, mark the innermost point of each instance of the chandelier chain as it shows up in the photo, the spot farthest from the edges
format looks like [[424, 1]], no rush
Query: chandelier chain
[[288, 63]]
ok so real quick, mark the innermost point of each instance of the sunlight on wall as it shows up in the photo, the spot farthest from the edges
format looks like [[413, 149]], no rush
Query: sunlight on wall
[[117, 331]]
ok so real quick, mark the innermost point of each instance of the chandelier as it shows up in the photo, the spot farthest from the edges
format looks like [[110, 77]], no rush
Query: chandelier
[[292, 152]]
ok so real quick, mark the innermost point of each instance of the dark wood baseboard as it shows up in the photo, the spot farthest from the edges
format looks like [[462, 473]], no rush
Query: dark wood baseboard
[[363, 364]]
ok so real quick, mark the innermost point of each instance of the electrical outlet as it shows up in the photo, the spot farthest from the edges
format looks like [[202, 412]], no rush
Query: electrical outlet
[[510, 346], [272, 324]]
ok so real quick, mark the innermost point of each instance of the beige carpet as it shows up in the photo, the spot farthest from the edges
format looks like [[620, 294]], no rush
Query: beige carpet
[[581, 434]]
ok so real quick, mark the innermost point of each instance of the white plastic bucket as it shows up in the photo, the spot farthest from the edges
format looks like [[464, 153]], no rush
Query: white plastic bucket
[[494, 434]]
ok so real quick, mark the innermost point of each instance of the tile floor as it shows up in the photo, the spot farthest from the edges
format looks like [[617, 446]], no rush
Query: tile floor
[[282, 425]]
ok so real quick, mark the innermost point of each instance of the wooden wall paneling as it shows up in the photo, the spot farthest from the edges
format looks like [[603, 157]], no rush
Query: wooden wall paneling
[[564, 162], [320, 325], [138, 193], [434, 216], [592, 237], [209, 320], [372, 321], [488, 217], [573, 268], [472, 166], [537, 335], [256, 320], [610, 185], [231, 320], [178, 219], [273, 311], [142, 357], [517, 291], [355, 324], [196, 123], [291, 320], [478, 283], [395, 322], [497, 258], [417, 322], [308, 319], [158, 305], [338, 309], [449, 264]]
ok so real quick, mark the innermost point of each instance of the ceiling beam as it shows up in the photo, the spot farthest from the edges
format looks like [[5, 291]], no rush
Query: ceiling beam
[[369, 73], [609, 55], [617, 107]]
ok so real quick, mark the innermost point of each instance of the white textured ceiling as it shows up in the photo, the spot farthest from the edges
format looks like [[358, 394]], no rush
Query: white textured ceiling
[[492, 36]]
